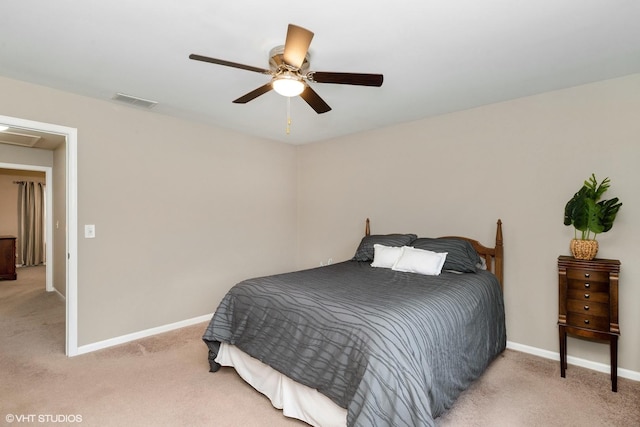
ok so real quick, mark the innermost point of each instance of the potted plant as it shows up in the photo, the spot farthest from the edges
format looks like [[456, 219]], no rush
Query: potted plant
[[590, 216]]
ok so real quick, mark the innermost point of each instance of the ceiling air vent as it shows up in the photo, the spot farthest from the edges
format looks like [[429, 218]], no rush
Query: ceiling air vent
[[17, 138], [134, 100]]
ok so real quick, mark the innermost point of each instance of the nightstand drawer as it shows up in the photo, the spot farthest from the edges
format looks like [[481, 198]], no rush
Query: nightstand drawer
[[587, 295], [588, 275], [588, 308], [588, 285], [589, 322]]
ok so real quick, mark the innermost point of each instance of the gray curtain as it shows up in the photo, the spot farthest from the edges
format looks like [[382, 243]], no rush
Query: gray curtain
[[31, 223]]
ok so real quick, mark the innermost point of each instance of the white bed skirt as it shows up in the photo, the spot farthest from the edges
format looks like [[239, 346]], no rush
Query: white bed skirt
[[295, 400]]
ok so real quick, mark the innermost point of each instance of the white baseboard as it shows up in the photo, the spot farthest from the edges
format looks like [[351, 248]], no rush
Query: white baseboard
[[57, 292], [88, 348], [596, 366]]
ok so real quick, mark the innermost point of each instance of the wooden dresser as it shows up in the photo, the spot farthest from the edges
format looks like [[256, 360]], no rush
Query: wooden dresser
[[588, 305], [8, 258]]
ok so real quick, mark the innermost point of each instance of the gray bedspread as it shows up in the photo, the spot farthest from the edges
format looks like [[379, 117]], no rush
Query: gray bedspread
[[394, 349]]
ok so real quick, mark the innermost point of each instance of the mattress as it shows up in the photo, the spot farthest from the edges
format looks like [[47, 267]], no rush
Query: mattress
[[391, 348]]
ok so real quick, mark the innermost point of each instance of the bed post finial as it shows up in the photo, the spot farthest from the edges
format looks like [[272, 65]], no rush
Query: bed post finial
[[367, 228], [499, 254]]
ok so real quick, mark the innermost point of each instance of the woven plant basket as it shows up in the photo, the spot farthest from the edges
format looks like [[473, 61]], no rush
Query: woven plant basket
[[584, 249]]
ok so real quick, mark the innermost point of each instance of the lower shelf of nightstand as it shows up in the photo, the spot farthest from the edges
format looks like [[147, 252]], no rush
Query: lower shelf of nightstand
[[612, 338]]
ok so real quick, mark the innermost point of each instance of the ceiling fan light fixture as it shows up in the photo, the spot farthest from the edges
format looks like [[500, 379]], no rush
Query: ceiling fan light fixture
[[290, 75], [288, 84]]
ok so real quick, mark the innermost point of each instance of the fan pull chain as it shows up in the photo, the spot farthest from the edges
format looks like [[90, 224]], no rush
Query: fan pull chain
[[288, 115]]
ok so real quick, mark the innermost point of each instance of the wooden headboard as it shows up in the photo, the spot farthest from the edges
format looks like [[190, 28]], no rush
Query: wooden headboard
[[494, 257]]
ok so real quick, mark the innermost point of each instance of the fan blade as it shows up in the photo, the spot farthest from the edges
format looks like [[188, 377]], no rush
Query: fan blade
[[347, 78], [314, 100], [228, 63], [254, 94], [296, 45]]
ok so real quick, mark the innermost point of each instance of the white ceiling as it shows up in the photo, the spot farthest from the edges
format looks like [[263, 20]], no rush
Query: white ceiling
[[437, 56]]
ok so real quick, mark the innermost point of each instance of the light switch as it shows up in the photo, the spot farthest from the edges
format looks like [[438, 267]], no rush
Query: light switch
[[89, 231]]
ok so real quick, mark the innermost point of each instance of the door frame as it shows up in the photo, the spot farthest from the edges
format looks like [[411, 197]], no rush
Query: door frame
[[71, 168]]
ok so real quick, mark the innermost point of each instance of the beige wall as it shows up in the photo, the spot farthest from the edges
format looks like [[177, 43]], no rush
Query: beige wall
[[182, 210], [520, 161], [21, 155]]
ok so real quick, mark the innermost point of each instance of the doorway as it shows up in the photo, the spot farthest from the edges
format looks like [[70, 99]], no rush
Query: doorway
[[8, 167], [70, 221]]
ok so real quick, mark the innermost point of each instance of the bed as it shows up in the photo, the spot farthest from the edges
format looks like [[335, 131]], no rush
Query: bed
[[378, 340]]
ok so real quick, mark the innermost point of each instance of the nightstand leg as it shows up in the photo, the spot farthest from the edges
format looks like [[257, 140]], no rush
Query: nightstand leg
[[614, 362], [563, 350]]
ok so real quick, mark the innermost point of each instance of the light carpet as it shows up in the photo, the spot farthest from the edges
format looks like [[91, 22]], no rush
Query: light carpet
[[164, 380]]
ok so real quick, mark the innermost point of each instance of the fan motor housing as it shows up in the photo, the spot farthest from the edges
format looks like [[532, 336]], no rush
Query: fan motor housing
[[276, 61]]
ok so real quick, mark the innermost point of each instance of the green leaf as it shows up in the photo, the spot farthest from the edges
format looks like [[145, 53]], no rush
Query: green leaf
[[593, 217], [574, 206], [607, 213]]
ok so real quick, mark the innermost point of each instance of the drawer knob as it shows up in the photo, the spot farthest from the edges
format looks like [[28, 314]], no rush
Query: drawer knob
[[586, 296], [587, 285], [586, 307], [587, 275], [586, 321]]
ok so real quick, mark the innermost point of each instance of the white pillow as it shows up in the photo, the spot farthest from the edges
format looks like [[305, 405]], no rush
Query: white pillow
[[420, 261], [385, 256]]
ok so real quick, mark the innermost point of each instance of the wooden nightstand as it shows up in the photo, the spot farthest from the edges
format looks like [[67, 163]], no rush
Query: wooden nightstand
[[7, 258], [588, 305]]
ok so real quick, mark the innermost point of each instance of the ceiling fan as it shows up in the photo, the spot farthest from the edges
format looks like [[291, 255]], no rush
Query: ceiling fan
[[289, 71]]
